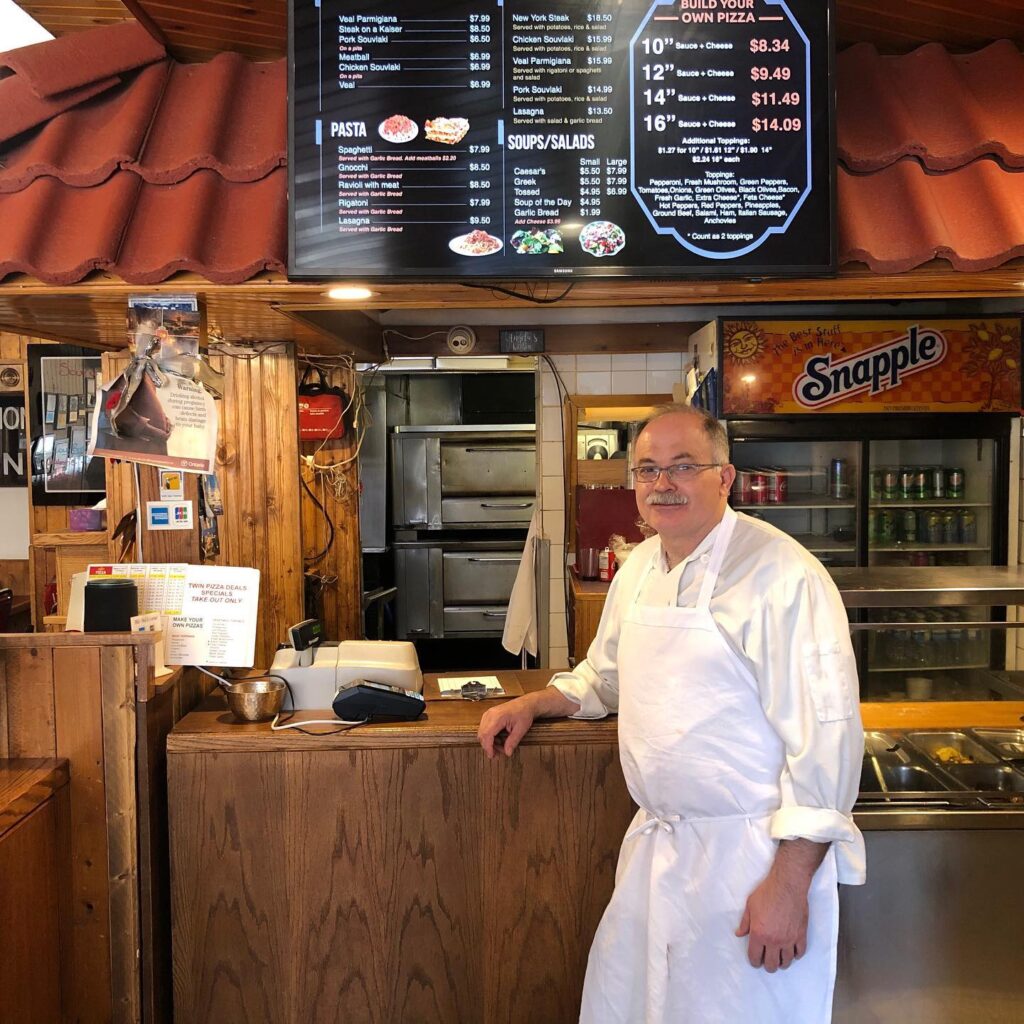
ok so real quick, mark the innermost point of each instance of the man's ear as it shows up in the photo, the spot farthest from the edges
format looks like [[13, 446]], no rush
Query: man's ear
[[728, 477]]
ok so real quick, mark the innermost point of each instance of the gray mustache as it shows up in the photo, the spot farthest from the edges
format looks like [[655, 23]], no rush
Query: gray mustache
[[666, 498]]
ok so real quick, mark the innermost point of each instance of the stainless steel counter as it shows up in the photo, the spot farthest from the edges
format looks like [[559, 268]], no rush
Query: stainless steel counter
[[931, 587]]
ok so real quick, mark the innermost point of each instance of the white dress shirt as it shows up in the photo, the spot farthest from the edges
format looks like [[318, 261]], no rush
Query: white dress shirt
[[780, 612]]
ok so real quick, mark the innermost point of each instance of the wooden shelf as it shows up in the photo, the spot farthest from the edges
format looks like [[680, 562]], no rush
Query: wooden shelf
[[931, 503], [82, 537]]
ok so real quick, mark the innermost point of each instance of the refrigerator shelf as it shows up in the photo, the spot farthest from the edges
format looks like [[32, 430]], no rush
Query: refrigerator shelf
[[876, 548], [931, 503], [810, 503], [815, 542], [912, 669]]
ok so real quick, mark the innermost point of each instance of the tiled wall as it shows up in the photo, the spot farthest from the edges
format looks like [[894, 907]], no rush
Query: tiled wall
[[650, 374]]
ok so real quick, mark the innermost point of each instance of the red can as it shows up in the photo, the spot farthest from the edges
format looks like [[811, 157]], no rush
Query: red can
[[759, 487], [743, 488], [778, 486], [606, 565]]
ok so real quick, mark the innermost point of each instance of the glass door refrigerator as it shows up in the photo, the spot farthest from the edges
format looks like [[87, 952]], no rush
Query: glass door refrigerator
[[870, 480]]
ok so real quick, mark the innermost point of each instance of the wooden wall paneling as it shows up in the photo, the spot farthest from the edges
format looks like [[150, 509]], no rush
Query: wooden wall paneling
[[14, 573], [257, 457], [30, 702], [342, 597], [117, 711], [79, 738], [169, 545]]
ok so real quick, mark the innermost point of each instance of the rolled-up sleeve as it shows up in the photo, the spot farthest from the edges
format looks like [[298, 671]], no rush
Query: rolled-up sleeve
[[594, 682], [800, 647]]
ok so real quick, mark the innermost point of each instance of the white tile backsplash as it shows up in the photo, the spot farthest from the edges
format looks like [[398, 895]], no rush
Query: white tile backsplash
[[553, 493], [551, 458], [593, 363], [558, 636], [631, 362], [549, 394], [659, 382], [629, 382], [564, 363], [558, 659], [551, 424], [594, 383], [664, 361], [554, 530]]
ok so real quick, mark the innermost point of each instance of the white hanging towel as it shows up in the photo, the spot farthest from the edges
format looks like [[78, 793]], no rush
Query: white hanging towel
[[521, 620]]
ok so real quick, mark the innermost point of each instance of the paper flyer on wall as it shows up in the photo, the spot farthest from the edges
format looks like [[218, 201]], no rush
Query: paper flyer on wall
[[158, 412], [210, 610]]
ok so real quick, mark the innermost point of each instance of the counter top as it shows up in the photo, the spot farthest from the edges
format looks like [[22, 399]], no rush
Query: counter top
[[453, 723]]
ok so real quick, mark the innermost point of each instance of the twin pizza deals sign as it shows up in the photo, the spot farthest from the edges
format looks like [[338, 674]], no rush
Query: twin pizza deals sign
[[781, 367]]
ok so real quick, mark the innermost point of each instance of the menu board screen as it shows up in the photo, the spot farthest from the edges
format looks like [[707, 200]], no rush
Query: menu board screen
[[531, 139]]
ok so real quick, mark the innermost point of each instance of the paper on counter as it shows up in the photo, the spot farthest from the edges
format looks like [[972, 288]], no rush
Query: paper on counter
[[451, 686]]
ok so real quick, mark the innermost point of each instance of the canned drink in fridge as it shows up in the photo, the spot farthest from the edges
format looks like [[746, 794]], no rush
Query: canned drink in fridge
[[950, 528], [885, 527], [743, 489], [838, 479], [908, 525], [968, 527], [933, 530], [777, 489], [906, 486], [872, 526], [877, 485], [954, 483], [922, 485], [759, 488], [890, 484], [938, 475]]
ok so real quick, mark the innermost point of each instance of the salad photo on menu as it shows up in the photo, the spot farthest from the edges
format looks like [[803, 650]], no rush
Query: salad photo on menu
[[476, 243], [398, 128], [537, 242], [602, 238]]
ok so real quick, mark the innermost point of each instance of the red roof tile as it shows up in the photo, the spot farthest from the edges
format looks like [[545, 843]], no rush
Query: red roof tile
[[144, 233], [153, 126], [181, 167], [945, 109], [83, 57]]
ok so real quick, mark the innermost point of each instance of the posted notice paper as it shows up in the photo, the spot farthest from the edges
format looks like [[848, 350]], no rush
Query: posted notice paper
[[210, 610]]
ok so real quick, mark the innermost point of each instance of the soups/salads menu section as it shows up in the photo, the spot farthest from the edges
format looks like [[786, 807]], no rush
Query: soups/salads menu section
[[526, 139]]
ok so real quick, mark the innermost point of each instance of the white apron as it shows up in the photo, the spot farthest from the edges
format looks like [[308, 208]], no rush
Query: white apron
[[703, 763]]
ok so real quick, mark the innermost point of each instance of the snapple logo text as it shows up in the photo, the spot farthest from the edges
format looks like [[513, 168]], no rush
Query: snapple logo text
[[878, 369]]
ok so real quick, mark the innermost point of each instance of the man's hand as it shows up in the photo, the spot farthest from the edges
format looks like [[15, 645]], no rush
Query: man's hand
[[775, 916], [515, 717]]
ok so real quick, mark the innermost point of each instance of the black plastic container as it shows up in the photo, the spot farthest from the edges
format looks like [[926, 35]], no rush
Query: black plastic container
[[110, 605]]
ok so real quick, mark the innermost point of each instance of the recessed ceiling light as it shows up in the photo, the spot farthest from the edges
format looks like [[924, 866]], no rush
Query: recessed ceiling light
[[349, 293]]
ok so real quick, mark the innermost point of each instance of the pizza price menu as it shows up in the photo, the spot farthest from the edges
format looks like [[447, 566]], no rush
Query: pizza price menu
[[553, 139]]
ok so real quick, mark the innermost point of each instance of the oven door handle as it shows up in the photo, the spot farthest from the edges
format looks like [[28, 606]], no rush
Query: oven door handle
[[495, 615], [492, 504], [499, 448], [496, 558]]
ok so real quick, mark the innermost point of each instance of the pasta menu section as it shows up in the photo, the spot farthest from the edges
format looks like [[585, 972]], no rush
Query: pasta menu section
[[526, 139]]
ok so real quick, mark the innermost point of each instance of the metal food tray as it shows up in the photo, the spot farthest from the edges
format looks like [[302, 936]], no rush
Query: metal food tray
[[1006, 744], [895, 774], [991, 781], [930, 742]]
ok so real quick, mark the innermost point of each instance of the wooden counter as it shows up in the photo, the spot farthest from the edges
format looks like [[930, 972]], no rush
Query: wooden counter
[[390, 874], [393, 873], [588, 597], [34, 886]]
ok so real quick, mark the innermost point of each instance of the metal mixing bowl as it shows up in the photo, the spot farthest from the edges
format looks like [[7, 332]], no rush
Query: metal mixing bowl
[[254, 700]]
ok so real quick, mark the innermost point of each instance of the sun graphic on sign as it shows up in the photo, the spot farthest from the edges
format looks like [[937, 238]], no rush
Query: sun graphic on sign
[[743, 342]]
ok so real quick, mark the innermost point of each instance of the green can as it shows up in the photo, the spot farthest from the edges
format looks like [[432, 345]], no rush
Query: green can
[[885, 527]]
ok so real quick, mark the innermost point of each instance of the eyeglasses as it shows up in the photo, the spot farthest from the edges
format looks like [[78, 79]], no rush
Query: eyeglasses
[[680, 471]]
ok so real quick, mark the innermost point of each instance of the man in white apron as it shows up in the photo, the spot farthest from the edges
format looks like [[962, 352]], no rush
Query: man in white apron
[[724, 648]]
